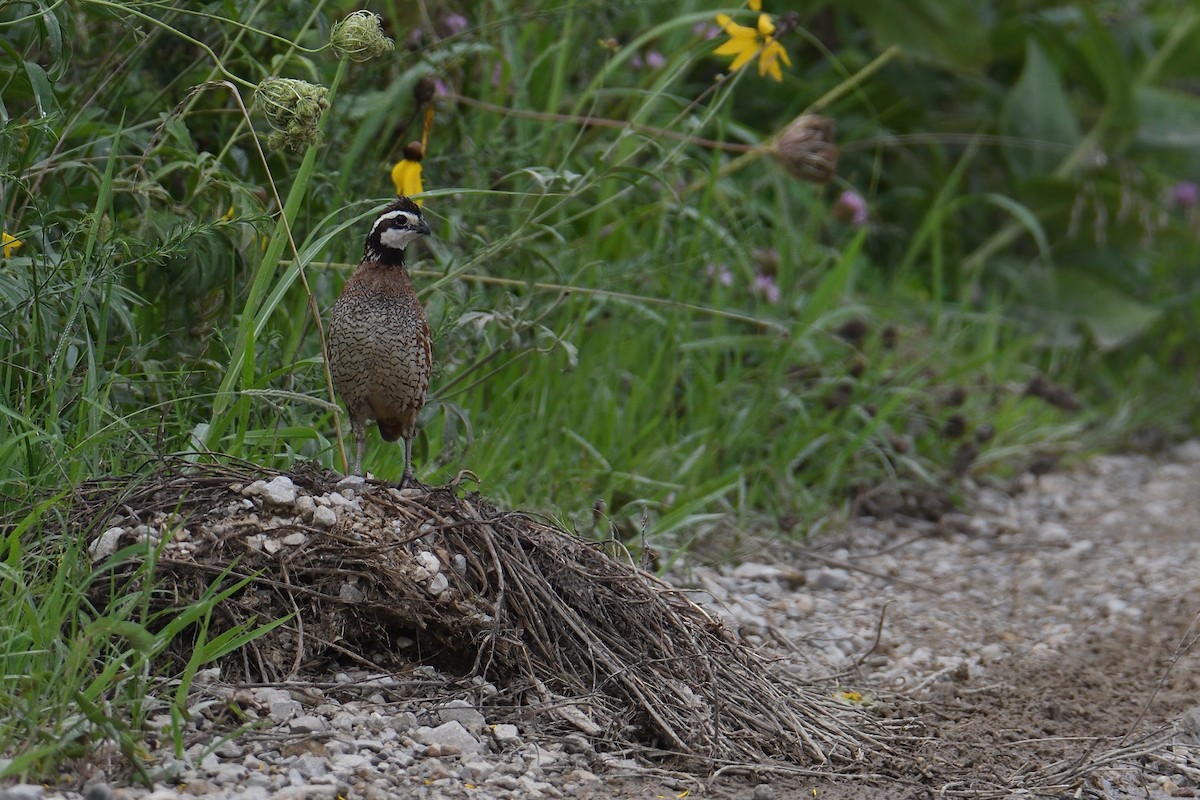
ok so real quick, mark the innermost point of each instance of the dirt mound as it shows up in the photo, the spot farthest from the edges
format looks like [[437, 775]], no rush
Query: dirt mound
[[571, 633]]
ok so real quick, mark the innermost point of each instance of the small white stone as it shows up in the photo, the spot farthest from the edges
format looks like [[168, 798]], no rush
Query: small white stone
[[464, 713], [308, 724], [271, 546], [295, 539], [353, 482], [449, 736], [506, 735], [279, 491], [429, 561], [324, 517], [106, 544], [478, 771], [305, 505], [283, 710], [757, 572], [439, 584]]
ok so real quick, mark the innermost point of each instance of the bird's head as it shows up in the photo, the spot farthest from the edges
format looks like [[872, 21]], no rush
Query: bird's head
[[394, 228]]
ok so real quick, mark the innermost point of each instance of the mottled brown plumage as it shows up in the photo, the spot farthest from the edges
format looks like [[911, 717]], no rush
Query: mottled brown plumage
[[380, 350]]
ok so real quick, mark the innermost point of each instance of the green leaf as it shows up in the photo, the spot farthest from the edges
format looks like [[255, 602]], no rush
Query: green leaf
[[1038, 113], [1110, 315], [1169, 119], [1111, 70], [43, 90], [949, 32]]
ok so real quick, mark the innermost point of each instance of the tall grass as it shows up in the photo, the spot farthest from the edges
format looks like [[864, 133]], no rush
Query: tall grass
[[660, 325]]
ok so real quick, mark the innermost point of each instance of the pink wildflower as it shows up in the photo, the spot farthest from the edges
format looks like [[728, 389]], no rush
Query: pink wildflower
[[765, 286], [719, 273], [1186, 194], [851, 208]]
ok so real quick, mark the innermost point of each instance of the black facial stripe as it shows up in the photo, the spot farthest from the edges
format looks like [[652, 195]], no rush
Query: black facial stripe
[[410, 221]]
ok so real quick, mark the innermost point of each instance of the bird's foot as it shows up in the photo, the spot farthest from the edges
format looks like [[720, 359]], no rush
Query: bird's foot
[[409, 481]]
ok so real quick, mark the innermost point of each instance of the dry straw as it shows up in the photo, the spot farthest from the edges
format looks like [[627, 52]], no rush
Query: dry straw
[[576, 638]]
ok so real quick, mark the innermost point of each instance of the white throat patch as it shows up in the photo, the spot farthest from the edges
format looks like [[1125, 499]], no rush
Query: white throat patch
[[397, 238]]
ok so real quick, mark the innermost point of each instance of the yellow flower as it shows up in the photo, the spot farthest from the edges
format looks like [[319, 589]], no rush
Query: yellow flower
[[10, 244], [745, 43], [756, 5], [407, 172]]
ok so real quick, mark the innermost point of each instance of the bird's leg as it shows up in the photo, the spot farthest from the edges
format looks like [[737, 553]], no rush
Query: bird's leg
[[360, 443], [408, 478]]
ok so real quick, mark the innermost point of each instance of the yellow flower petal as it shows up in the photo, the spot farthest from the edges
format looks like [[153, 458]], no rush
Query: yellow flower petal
[[734, 30], [735, 47], [768, 62], [769, 66], [756, 5], [765, 26], [783, 56], [10, 244], [744, 55], [407, 177]]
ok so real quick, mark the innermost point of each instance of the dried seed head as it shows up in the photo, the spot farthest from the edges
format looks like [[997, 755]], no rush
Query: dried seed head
[[413, 151], [360, 37], [293, 108], [424, 90], [807, 148]]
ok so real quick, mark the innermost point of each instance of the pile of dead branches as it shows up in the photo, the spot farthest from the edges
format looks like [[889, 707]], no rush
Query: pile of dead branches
[[562, 624]]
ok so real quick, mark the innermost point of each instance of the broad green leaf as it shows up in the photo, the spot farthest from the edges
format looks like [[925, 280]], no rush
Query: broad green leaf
[[1168, 118], [1111, 316], [950, 32], [1038, 113], [1111, 70], [43, 90]]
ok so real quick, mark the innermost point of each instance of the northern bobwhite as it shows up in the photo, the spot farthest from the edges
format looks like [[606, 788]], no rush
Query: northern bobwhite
[[380, 350]]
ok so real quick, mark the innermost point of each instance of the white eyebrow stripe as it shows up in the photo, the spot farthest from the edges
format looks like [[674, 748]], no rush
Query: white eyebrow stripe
[[388, 217]]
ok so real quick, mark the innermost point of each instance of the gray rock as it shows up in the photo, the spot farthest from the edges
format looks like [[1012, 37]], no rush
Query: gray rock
[[308, 791], [439, 584], [283, 710], [752, 571], [260, 780], [830, 578], [448, 735], [98, 791], [404, 722], [310, 767], [324, 517], [199, 786], [229, 773], [308, 724], [353, 482], [506, 735], [501, 781], [23, 791], [104, 546], [464, 713], [350, 761], [478, 771], [764, 791], [158, 794]]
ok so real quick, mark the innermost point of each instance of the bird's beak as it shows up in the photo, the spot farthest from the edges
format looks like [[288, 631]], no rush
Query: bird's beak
[[424, 229]]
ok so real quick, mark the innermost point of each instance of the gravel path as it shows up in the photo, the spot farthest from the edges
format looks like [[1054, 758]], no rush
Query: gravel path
[[1035, 642]]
